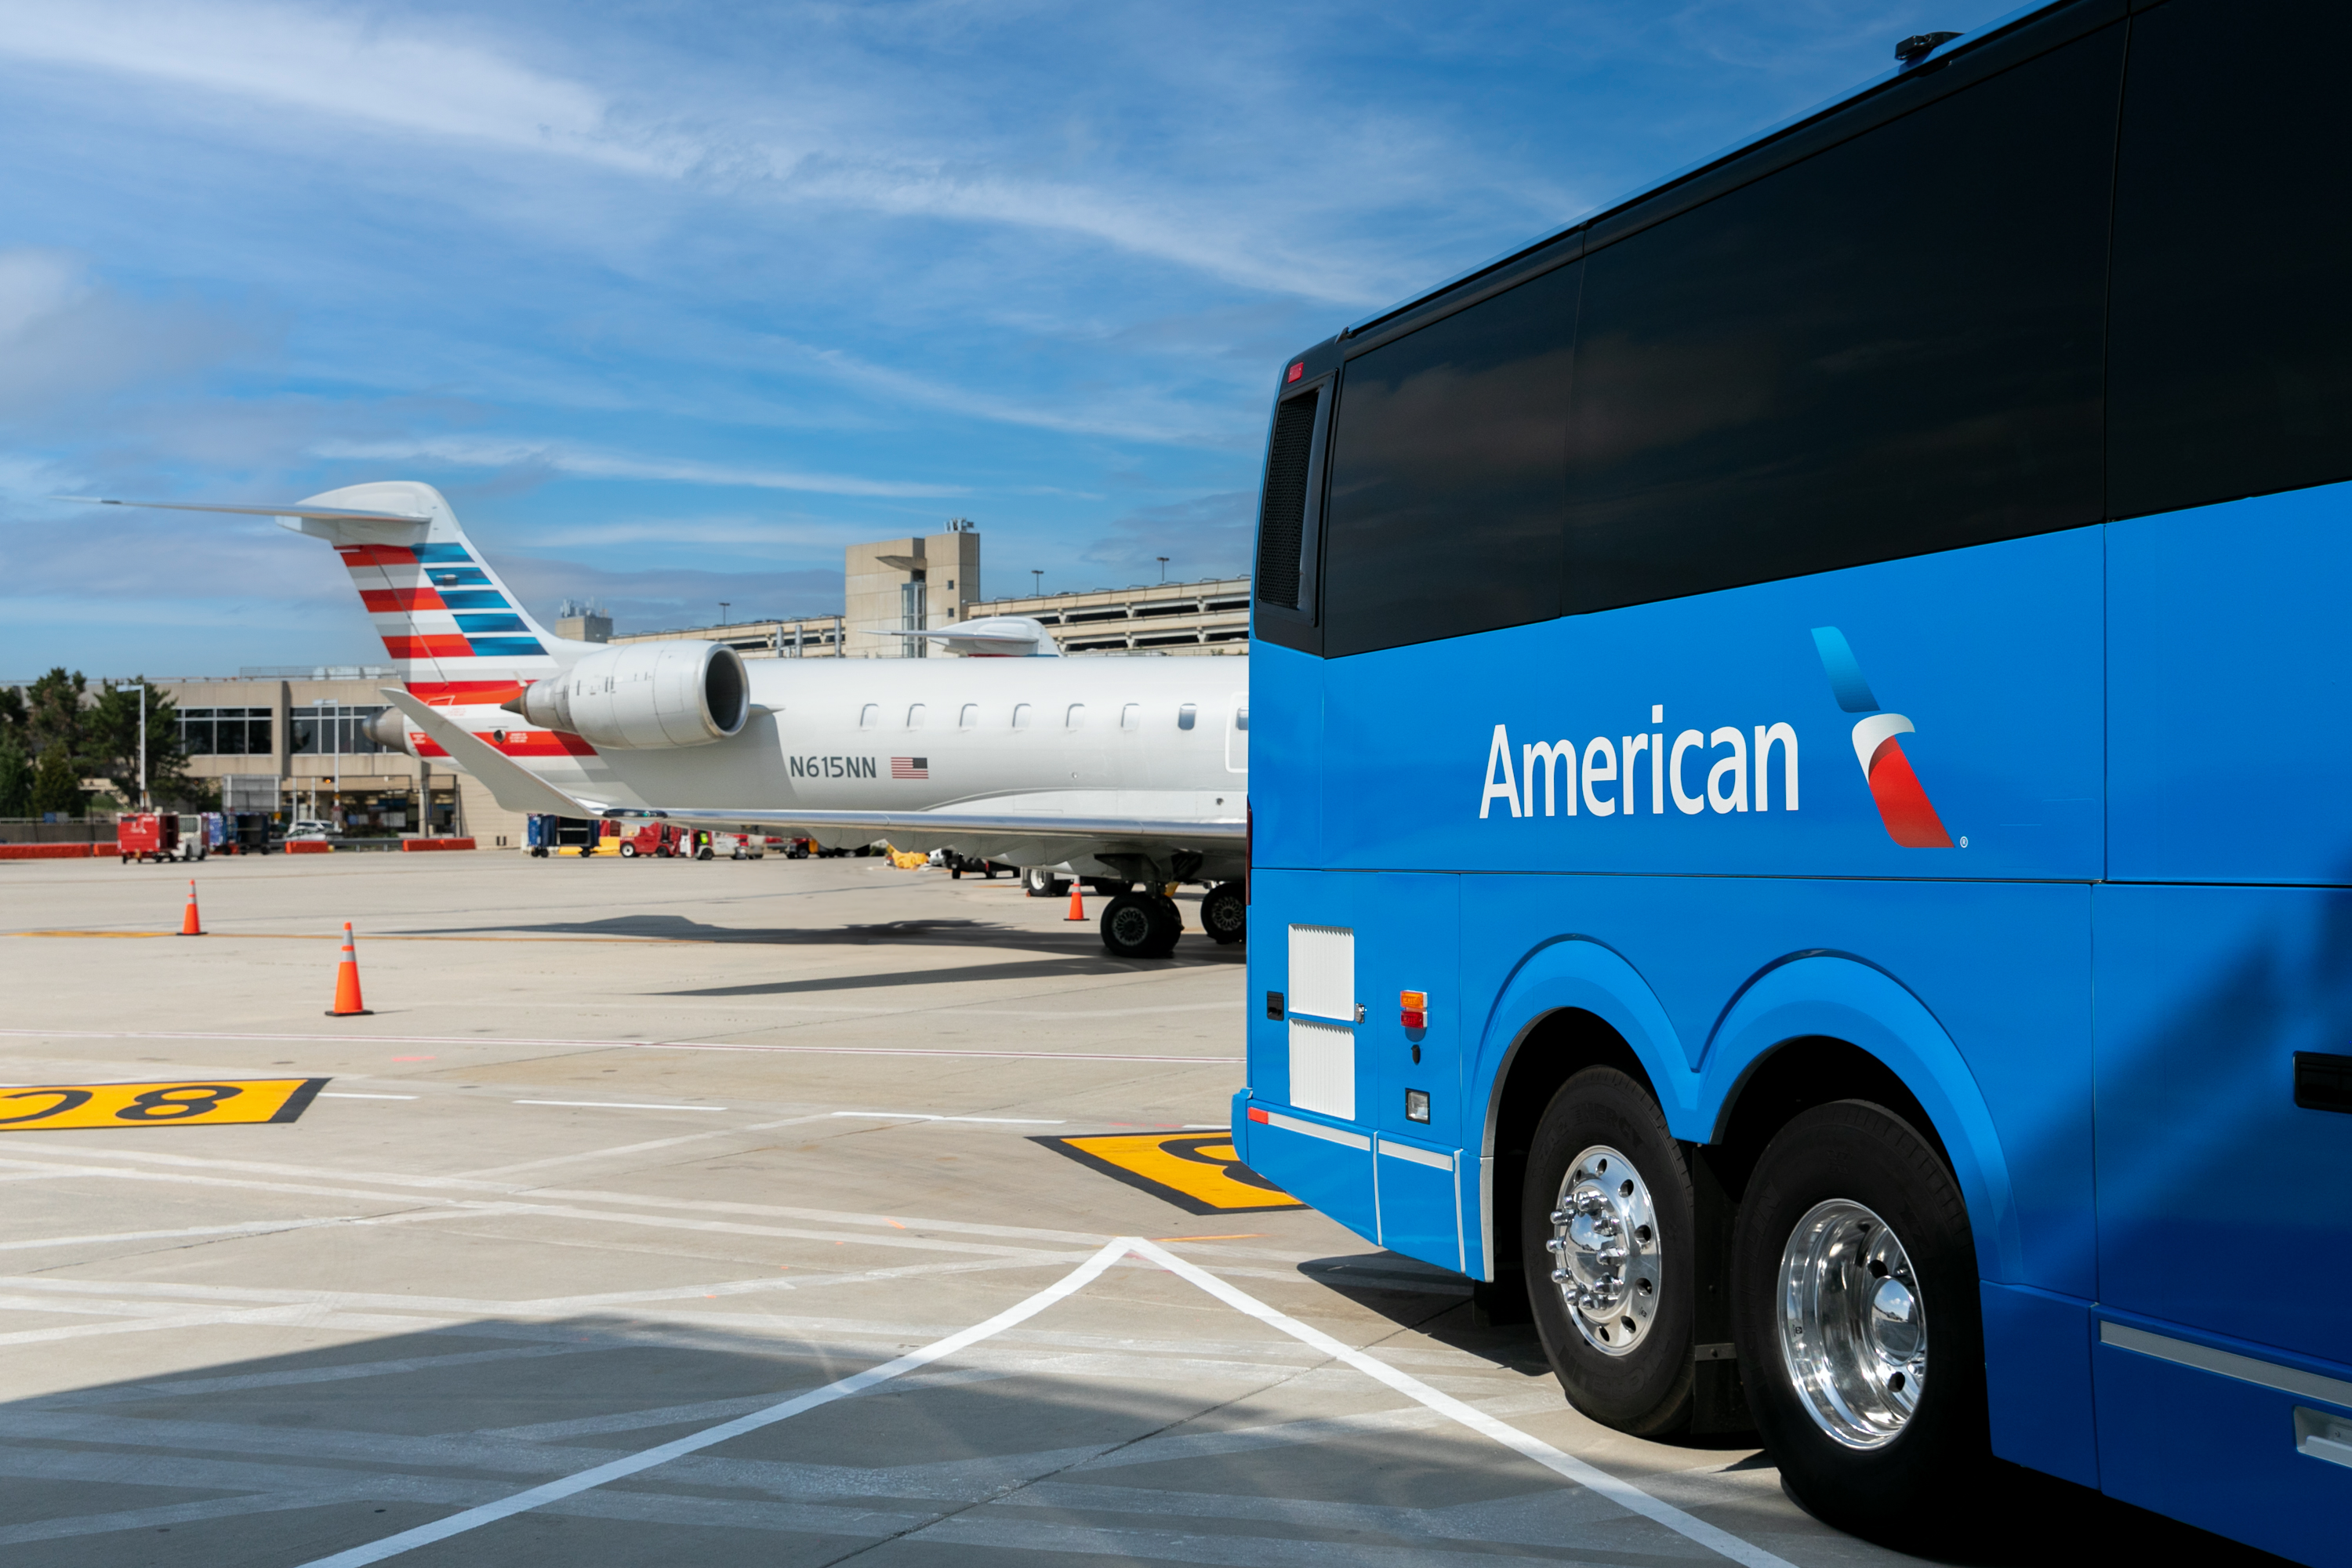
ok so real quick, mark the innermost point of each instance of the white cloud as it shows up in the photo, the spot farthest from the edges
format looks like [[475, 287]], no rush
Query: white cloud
[[441, 83], [65, 338], [557, 456], [332, 64]]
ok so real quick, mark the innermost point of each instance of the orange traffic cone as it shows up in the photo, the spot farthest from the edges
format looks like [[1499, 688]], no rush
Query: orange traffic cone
[[347, 983], [189, 924], [1077, 904]]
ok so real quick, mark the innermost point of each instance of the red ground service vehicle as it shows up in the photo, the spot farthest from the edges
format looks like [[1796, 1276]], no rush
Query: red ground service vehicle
[[159, 835], [147, 835], [654, 839]]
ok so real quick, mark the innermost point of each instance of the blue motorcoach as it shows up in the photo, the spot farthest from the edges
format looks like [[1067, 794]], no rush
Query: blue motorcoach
[[1803, 811]]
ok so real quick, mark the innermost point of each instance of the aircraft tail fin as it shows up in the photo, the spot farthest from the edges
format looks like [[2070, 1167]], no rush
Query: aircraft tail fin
[[453, 632]]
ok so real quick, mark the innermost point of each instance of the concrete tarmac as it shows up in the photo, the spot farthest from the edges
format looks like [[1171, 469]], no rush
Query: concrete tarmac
[[629, 1152]]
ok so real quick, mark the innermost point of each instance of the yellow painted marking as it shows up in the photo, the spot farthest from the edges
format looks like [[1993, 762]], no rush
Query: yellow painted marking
[[212, 1102], [1198, 1171]]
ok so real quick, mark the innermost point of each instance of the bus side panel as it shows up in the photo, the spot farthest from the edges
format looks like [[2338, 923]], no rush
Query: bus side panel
[[1943, 713], [2003, 970], [2221, 1201], [2222, 1453], [1286, 767], [2231, 718], [1295, 1136]]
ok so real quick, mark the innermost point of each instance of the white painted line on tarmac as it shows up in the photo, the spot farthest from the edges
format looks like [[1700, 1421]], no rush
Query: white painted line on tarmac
[[361, 1038], [856, 1383], [253, 1228], [926, 1116], [617, 1105], [639, 1148], [349, 1094], [1624, 1494]]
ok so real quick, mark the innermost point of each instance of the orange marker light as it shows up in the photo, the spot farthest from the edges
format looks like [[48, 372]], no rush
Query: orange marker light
[[1414, 1009]]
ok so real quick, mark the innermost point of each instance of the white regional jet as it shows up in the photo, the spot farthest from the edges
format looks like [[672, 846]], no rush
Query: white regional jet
[[1132, 769]]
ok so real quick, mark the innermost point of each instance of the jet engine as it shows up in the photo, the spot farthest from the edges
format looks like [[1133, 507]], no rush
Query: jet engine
[[389, 730], [645, 695]]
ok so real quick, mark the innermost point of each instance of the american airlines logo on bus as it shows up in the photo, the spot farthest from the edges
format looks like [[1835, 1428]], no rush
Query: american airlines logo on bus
[[1603, 773], [1604, 776], [1903, 803]]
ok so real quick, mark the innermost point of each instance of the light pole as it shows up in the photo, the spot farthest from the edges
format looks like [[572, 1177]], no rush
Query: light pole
[[1037, 584], [143, 743], [722, 610], [1163, 569]]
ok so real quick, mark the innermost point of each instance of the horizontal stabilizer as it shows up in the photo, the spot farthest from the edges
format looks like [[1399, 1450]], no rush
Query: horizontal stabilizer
[[325, 513]]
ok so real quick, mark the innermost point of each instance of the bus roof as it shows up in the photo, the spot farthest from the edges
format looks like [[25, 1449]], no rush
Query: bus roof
[[1941, 52]]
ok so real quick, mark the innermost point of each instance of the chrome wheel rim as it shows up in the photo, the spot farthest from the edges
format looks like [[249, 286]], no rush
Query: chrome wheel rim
[[1604, 1250], [1854, 1324]]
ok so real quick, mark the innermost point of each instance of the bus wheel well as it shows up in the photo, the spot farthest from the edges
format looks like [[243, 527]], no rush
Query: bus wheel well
[[1796, 1076], [1556, 1046]]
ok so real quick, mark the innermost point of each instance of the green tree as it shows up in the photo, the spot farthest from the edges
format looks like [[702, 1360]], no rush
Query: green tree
[[15, 774], [12, 710], [54, 711], [56, 785], [109, 744]]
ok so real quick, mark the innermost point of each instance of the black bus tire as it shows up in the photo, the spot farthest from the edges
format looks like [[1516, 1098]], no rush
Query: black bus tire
[[1642, 1382], [1843, 1166]]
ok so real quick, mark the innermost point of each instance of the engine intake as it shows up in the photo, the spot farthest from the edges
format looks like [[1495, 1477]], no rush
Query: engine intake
[[644, 695]]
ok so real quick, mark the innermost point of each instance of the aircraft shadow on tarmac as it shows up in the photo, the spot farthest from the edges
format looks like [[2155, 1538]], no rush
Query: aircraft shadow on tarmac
[[1029, 969], [1194, 951]]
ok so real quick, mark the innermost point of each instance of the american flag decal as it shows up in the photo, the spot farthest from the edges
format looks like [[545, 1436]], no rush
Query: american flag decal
[[910, 767]]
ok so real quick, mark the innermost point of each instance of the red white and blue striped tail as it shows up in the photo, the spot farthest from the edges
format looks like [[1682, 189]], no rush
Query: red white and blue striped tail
[[452, 629]]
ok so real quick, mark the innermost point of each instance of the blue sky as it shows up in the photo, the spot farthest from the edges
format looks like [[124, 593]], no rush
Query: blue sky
[[673, 301]]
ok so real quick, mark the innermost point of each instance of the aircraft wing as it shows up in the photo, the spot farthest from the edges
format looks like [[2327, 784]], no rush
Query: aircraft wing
[[517, 788]]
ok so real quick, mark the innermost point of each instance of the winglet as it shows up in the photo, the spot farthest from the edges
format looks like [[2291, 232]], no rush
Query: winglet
[[513, 786]]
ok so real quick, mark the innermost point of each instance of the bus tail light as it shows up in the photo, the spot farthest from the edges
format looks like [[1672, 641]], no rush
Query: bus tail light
[[1414, 1009]]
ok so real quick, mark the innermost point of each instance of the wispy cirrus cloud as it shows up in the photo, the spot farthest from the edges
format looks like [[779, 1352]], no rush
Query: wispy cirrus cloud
[[583, 462]]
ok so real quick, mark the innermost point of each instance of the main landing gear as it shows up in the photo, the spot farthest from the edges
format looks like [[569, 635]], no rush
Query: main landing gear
[[1224, 912], [1141, 925]]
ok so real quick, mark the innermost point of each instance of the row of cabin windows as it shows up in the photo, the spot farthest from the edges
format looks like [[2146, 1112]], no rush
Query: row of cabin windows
[[2099, 283], [1130, 717]]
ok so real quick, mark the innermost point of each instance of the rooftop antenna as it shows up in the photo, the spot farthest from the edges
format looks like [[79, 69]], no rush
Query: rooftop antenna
[[1919, 46]]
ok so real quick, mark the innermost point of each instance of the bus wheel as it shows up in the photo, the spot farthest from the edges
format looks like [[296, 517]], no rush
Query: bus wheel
[[1607, 1230], [1224, 913], [1854, 1303], [1139, 925]]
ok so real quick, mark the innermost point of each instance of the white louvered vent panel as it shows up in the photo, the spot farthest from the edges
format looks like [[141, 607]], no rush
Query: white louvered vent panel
[[1322, 1066], [1323, 972]]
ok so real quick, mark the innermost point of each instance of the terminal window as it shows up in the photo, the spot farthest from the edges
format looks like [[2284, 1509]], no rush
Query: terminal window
[[225, 732], [333, 730]]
